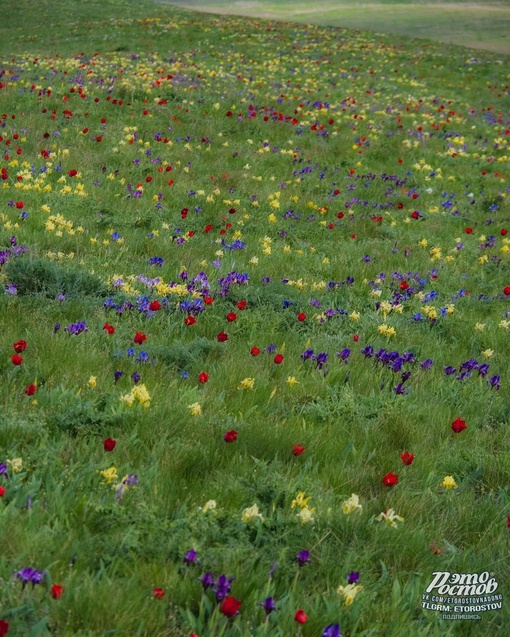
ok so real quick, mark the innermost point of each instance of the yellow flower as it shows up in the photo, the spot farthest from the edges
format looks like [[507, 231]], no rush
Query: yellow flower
[[246, 383], [352, 504], [449, 483], [195, 409], [291, 380], [354, 316], [390, 517], [349, 592], [488, 353], [16, 464], [305, 515], [110, 474], [92, 381], [480, 327], [210, 505], [251, 513], [300, 500]]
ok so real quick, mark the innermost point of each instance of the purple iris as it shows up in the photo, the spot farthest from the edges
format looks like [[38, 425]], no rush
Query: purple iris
[[268, 605], [207, 580], [333, 630], [222, 587], [353, 577], [344, 355], [27, 575], [302, 558], [190, 558]]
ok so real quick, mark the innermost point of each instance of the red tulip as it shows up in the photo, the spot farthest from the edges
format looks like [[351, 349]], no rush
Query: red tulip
[[230, 606], [109, 444], [390, 479], [56, 591], [459, 425], [20, 346], [300, 617], [407, 458]]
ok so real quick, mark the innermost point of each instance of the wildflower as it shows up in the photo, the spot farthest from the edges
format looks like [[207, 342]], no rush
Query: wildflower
[[300, 617], [254, 351], [459, 425], [230, 607], [109, 444], [291, 380], [231, 317], [301, 317], [390, 517], [195, 409], [190, 558], [30, 390], [230, 436], [351, 504], [27, 575], [56, 591], [300, 500], [302, 558], [333, 630], [246, 383], [222, 337], [268, 605], [349, 592], [139, 338], [109, 474], [158, 593], [390, 479], [203, 377], [222, 587], [20, 346], [4, 627], [109, 328], [407, 458], [306, 515], [297, 450], [16, 359], [449, 483], [210, 505], [16, 465], [190, 320], [353, 577], [493, 381], [278, 358], [92, 381], [252, 513], [206, 580], [488, 353]]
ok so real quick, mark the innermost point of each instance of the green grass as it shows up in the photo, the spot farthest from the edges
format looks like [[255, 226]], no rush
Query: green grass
[[335, 190], [482, 25]]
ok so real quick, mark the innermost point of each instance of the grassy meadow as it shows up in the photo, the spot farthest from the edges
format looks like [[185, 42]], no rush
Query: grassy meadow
[[481, 25], [255, 353]]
